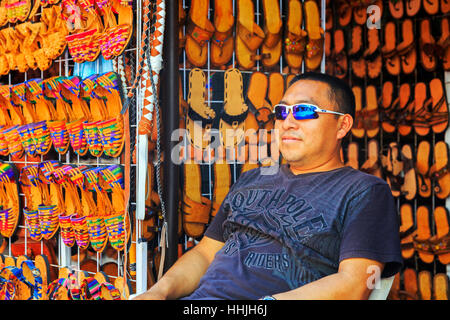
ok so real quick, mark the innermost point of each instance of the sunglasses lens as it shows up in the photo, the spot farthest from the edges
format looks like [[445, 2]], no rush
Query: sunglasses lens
[[302, 112], [281, 112]]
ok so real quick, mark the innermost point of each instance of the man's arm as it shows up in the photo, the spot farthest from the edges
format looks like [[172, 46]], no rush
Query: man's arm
[[184, 276], [351, 282]]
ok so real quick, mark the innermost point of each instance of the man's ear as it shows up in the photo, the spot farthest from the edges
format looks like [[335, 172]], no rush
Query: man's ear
[[345, 125]]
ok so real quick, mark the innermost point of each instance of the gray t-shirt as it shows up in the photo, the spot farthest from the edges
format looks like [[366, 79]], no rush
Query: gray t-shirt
[[283, 231]]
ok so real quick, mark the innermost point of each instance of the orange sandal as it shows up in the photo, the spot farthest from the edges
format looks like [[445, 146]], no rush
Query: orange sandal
[[295, 40], [314, 48], [222, 44]]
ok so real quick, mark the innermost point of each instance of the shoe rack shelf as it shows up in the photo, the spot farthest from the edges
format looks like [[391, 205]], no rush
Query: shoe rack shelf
[[72, 257], [384, 138]]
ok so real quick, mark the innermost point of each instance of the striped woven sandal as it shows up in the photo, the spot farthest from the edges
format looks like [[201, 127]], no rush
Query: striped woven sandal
[[5, 123], [10, 134], [9, 194], [91, 289], [98, 114], [78, 114], [44, 111], [112, 129], [58, 130], [31, 187], [111, 182], [118, 31], [96, 220], [26, 131], [53, 201], [73, 206]]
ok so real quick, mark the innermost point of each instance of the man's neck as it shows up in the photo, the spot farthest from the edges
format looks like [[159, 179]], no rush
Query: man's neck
[[333, 164]]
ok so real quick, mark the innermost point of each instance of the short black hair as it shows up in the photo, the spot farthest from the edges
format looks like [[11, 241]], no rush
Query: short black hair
[[339, 91]]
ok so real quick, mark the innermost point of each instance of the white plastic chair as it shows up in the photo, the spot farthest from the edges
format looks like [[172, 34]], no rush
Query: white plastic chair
[[382, 292]]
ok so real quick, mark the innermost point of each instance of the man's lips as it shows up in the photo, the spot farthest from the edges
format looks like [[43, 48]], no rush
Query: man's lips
[[290, 139]]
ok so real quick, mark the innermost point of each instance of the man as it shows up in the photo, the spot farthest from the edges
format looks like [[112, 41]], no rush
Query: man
[[314, 230]]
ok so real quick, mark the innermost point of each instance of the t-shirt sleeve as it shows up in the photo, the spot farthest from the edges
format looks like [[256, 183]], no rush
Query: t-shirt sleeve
[[371, 229]]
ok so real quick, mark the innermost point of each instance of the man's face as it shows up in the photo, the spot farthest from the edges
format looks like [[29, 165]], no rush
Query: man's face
[[308, 143]]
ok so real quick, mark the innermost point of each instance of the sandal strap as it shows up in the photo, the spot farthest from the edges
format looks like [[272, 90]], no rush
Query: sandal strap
[[252, 40], [295, 43], [200, 35]]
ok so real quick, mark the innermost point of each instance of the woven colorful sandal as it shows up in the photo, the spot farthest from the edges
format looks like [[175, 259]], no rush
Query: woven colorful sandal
[[87, 181], [111, 182], [112, 129], [98, 114], [31, 187], [118, 31], [58, 130], [44, 111], [96, 220], [10, 209], [26, 131], [53, 202], [78, 114], [5, 123], [73, 207], [26, 280]]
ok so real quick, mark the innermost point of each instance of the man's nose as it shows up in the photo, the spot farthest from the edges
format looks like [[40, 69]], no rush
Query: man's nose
[[289, 122]]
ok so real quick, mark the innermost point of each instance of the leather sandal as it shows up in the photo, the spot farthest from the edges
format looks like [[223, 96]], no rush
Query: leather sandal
[[352, 156], [389, 50], [358, 130], [441, 241], [427, 48], [431, 6], [440, 287], [195, 208], [405, 115], [345, 12], [445, 6], [232, 120], [371, 117], [411, 291], [249, 36], [295, 36], [420, 115], [222, 183], [392, 166], [359, 8], [409, 187], [372, 54], [200, 116], [222, 44], [358, 63], [372, 164], [407, 48], [396, 8], [412, 7], [10, 205], [199, 31], [406, 231], [388, 107], [275, 92], [423, 234], [339, 56], [438, 117], [260, 112], [439, 172], [444, 43], [422, 169], [424, 280], [314, 47], [272, 45]]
